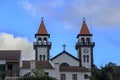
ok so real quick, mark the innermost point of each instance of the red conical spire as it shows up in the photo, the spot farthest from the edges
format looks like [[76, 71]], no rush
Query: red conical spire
[[84, 28], [42, 29]]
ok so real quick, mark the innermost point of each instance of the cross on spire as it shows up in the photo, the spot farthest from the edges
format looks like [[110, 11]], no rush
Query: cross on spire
[[64, 47], [42, 18], [84, 19]]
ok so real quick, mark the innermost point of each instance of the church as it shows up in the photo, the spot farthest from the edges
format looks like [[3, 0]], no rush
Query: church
[[63, 66]]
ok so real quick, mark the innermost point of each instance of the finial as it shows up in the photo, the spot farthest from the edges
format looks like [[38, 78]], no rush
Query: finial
[[64, 47], [83, 18], [42, 18]]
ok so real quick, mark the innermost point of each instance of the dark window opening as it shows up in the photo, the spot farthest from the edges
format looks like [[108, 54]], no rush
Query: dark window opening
[[88, 40], [46, 73], [40, 57], [87, 58], [45, 40], [62, 77], [83, 40], [74, 76], [10, 66], [43, 57], [39, 39], [85, 76], [64, 64], [84, 58]]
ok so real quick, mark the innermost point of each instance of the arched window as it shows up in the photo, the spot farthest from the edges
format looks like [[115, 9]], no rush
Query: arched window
[[84, 58], [40, 57], [39, 39], [83, 40], [43, 57], [44, 39], [64, 64], [88, 40], [87, 58]]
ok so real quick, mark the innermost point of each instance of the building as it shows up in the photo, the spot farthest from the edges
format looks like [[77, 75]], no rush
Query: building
[[63, 66], [9, 63]]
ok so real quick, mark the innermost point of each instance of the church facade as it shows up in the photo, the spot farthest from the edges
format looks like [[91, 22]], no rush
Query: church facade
[[63, 66]]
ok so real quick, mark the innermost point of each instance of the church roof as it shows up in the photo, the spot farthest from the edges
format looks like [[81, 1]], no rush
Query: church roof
[[64, 52], [42, 29], [10, 55], [39, 64], [84, 28]]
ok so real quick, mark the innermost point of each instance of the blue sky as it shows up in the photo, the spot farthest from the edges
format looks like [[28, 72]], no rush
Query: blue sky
[[20, 19]]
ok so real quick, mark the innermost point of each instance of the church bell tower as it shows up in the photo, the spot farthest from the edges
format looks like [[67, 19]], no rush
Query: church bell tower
[[42, 45], [84, 47]]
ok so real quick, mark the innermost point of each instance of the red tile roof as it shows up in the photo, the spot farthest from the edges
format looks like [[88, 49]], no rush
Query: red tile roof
[[42, 29], [39, 64], [43, 65], [26, 64], [10, 55], [73, 69], [84, 28]]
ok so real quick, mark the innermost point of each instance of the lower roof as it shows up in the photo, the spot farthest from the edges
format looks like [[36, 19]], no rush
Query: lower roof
[[38, 64], [10, 55], [73, 69]]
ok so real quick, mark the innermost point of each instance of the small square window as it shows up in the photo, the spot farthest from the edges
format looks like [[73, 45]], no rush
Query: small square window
[[63, 77], [85, 76], [74, 76]]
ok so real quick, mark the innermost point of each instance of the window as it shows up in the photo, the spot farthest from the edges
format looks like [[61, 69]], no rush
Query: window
[[88, 40], [74, 76], [64, 64], [10, 66], [43, 57], [83, 40], [84, 58], [45, 40], [63, 77], [46, 73], [87, 58], [85, 76], [40, 57], [39, 39]]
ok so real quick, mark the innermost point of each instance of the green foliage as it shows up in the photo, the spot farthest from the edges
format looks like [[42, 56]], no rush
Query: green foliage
[[110, 72], [37, 74], [38, 78]]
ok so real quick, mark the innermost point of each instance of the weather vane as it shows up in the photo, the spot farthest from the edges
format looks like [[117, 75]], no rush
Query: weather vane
[[64, 47]]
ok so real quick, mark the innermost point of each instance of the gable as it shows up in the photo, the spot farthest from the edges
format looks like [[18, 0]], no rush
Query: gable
[[65, 57]]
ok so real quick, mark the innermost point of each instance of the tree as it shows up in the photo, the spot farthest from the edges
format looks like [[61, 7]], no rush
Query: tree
[[110, 71], [38, 74]]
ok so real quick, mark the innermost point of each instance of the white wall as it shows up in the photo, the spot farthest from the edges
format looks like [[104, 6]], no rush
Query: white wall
[[80, 75], [64, 58], [88, 65], [24, 71], [2, 61], [42, 51]]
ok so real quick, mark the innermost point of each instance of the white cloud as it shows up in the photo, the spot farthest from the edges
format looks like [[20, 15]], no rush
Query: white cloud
[[105, 12], [9, 42]]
